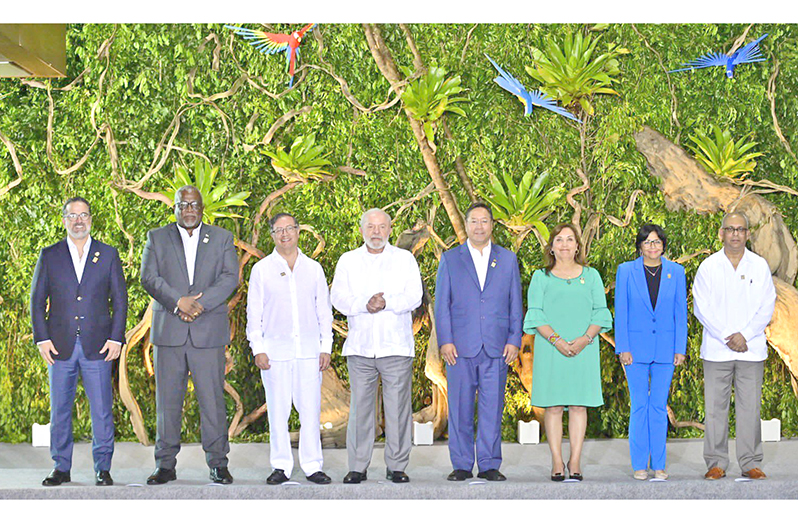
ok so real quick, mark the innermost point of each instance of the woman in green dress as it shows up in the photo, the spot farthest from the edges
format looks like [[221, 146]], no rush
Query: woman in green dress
[[567, 311]]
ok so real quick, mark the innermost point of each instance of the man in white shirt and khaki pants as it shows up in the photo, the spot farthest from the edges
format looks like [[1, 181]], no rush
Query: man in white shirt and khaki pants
[[378, 286], [734, 297], [289, 327]]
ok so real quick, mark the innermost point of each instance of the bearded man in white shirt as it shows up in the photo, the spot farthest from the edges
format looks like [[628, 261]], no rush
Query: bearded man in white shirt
[[734, 297], [378, 286], [289, 327]]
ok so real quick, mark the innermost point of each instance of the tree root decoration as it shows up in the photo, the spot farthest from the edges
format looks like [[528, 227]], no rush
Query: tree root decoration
[[523, 367], [687, 257], [277, 125], [740, 41], [569, 197], [351, 170], [12, 151], [406, 203], [681, 424], [459, 165], [382, 56], [121, 225], [674, 101], [686, 185], [465, 46], [418, 63], [767, 185], [49, 140], [771, 95], [231, 429], [216, 50], [630, 207], [132, 338]]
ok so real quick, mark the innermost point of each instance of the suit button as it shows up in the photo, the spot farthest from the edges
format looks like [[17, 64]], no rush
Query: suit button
[[654, 320], [80, 298], [482, 318], [654, 331], [481, 301], [76, 318]]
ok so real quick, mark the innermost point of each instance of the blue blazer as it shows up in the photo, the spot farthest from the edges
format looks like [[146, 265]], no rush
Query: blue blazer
[[472, 318], [85, 305], [651, 335]]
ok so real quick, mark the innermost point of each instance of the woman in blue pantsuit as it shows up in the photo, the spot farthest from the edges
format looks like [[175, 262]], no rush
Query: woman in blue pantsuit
[[650, 339]]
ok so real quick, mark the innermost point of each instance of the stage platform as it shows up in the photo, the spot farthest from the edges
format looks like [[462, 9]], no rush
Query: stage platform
[[605, 466]]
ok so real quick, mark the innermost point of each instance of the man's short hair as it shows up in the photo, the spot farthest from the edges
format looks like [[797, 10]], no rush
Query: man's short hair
[[366, 214], [479, 205], [73, 200], [188, 188], [279, 215], [735, 213]]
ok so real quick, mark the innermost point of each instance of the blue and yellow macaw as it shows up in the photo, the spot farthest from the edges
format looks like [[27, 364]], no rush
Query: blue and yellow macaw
[[271, 43], [529, 98], [748, 54]]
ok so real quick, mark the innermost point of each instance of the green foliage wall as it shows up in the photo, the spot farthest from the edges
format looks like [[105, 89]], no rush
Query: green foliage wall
[[143, 82]]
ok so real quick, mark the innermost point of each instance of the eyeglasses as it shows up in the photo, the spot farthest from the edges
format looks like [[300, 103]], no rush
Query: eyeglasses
[[280, 230], [652, 243], [195, 205], [74, 216], [735, 230]]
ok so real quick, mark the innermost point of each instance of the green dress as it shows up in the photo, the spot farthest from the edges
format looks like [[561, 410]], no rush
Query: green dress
[[569, 307]]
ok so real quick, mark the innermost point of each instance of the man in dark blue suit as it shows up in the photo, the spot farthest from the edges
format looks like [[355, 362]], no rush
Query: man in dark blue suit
[[81, 333], [478, 317]]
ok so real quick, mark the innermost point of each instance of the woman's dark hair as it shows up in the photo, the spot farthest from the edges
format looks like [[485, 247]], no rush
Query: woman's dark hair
[[579, 257], [643, 233]]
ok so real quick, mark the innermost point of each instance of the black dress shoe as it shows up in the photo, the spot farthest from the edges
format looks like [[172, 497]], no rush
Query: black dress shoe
[[55, 478], [221, 475], [103, 479], [492, 475], [397, 476], [276, 477], [161, 476], [319, 478], [355, 477], [459, 475]]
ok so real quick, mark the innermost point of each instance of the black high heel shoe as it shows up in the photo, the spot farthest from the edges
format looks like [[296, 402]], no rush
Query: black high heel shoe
[[560, 476], [575, 475]]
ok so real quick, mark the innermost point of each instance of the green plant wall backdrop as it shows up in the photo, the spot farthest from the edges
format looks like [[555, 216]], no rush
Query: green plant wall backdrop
[[142, 101]]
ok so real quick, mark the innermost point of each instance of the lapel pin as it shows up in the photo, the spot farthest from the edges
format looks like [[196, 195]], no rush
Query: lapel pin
[[669, 276], [94, 260], [742, 276], [582, 280], [97, 254], [282, 274], [493, 263], [205, 239]]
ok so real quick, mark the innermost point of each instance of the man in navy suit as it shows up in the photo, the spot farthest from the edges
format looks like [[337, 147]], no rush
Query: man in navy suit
[[478, 317], [82, 332]]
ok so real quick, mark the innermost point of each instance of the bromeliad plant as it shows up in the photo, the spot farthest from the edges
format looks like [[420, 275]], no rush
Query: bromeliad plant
[[573, 72], [302, 162], [722, 156], [524, 207], [428, 97], [216, 204]]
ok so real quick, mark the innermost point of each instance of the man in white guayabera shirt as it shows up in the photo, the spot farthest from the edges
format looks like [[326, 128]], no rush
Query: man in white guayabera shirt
[[377, 286], [289, 327], [734, 298]]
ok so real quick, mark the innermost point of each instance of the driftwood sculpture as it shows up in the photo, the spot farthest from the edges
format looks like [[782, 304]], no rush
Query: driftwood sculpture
[[686, 185]]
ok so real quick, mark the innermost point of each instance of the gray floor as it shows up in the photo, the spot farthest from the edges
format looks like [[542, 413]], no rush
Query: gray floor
[[605, 466]]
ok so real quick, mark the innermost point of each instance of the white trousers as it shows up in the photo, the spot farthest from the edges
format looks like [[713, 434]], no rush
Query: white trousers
[[295, 381]]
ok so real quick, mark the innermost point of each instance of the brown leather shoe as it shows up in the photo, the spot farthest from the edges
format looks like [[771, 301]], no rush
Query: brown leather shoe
[[755, 473], [715, 473]]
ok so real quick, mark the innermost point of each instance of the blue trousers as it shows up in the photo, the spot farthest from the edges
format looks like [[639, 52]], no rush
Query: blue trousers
[[96, 375], [484, 379], [649, 385]]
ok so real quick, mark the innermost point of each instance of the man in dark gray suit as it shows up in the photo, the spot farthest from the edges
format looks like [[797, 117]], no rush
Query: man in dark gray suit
[[190, 268]]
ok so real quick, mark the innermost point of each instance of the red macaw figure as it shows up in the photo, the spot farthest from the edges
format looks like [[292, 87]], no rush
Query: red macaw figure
[[271, 43]]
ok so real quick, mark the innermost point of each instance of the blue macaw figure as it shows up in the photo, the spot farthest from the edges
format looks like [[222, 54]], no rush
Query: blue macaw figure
[[529, 98], [748, 54]]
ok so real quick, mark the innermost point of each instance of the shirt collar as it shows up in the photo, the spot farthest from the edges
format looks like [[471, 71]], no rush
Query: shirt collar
[[277, 256], [365, 250], [72, 247], [184, 232], [475, 252], [743, 261]]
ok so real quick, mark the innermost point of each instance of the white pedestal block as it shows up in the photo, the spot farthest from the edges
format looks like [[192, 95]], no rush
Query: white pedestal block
[[528, 432], [422, 433], [41, 435], [771, 430]]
